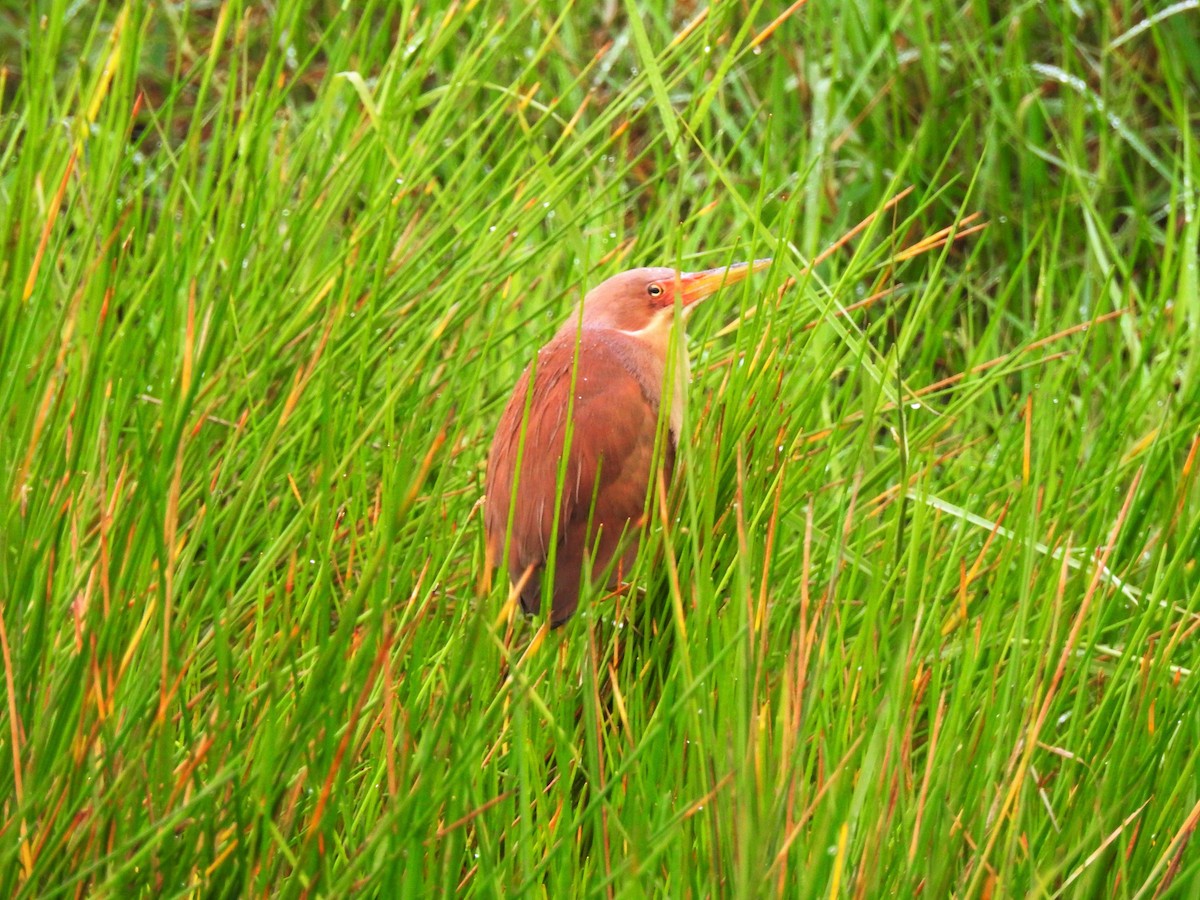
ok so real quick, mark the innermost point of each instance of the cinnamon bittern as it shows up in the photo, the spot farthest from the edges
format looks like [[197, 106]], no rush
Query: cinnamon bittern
[[613, 352]]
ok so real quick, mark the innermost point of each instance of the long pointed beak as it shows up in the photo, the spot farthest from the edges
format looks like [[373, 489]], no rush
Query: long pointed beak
[[695, 286]]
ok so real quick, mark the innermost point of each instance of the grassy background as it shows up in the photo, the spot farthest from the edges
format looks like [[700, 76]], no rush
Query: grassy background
[[923, 617]]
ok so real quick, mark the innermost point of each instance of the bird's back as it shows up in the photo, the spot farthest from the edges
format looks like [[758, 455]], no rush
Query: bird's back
[[609, 466]]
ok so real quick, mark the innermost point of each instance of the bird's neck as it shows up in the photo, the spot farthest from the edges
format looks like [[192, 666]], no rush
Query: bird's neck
[[680, 372], [646, 353]]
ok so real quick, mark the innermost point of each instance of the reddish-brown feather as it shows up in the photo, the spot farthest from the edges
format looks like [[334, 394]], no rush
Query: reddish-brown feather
[[610, 459]]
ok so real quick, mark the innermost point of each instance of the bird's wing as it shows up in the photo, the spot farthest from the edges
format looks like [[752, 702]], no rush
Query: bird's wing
[[610, 457]]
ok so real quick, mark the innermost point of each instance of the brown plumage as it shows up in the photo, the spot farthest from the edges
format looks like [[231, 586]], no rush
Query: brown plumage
[[623, 342]]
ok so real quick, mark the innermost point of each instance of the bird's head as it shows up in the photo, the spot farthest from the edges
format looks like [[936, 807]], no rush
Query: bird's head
[[641, 302]]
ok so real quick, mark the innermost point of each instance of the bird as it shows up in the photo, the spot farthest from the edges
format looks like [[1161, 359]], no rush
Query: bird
[[613, 354]]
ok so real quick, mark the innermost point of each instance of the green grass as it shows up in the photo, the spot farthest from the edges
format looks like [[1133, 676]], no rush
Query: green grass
[[924, 617]]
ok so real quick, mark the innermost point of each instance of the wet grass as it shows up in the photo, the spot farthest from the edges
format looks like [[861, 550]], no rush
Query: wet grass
[[921, 616]]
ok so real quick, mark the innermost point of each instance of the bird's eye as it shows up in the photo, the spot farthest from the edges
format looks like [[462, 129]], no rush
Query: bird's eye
[[654, 290]]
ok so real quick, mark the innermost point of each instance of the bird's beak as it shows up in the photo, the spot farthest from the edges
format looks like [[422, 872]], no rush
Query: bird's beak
[[695, 286]]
